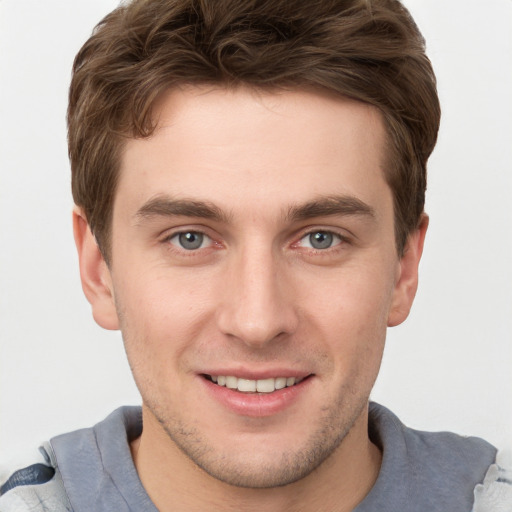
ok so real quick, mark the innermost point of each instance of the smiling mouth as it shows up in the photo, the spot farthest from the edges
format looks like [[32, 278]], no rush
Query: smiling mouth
[[254, 386]]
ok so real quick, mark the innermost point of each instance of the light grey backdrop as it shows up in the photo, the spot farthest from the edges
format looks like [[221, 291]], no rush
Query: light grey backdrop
[[448, 367]]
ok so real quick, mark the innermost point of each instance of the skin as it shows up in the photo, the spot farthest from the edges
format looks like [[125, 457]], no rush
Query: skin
[[256, 174]]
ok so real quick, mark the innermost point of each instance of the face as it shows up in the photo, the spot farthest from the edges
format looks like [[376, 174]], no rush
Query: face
[[253, 275]]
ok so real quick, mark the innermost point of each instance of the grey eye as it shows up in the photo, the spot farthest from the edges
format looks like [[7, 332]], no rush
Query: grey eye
[[190, 240], [321, 240]]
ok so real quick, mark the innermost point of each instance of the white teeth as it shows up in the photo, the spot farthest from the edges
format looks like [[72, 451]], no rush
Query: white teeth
[[247, 386], [265, 385], [231, 382], [252, 386], [280, 383]]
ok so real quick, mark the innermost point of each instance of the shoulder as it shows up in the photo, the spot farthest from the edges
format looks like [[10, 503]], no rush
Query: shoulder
[[443, 451], [494, 494], [37, 487], [85, 470], [442, 469]]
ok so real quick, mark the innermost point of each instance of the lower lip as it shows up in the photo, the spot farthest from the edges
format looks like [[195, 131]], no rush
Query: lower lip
[[256, 405]]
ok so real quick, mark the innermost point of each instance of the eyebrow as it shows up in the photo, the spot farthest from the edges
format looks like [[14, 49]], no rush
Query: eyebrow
[[331, 206], [164, 206]]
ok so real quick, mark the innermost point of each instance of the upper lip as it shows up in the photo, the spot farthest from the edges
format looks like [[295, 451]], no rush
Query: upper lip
[[257, 374]]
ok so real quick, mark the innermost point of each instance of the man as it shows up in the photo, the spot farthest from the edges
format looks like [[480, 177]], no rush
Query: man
[[249, 183]]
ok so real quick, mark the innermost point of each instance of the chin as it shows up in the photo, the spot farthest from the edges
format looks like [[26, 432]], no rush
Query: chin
[[258, 461]]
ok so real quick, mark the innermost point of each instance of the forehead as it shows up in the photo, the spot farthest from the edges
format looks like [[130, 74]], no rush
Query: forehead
[[244, 147]]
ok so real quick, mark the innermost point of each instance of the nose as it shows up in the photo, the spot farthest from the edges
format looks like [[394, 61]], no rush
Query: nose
[[257, 306]]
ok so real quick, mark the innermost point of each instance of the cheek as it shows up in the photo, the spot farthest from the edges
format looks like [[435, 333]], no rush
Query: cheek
[[160, 319], [350, 312], [162, 298], [355, 296]]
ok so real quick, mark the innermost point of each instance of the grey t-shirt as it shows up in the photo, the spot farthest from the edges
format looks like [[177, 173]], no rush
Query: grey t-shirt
[[420, 471]]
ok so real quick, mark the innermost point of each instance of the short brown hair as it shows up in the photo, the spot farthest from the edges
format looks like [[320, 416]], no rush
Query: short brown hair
[[369, 50]]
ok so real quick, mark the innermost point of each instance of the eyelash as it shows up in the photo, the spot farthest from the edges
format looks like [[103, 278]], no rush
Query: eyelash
[[338, 240], [182, 251]]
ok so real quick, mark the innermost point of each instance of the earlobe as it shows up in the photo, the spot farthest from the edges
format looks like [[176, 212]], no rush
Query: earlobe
[[94, 274], [407, 282]]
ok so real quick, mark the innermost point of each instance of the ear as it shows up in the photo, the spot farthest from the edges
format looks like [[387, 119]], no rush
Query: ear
[[94, 273], [407, 280]]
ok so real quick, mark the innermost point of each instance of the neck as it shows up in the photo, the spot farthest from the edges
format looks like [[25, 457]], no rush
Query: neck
[[172, 480]]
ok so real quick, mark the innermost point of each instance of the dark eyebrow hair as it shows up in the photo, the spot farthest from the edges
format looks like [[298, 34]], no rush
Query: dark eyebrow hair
[[165, 206], [330, 205]]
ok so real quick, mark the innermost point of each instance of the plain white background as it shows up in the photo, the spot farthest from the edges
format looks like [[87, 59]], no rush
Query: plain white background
[[448, 367]]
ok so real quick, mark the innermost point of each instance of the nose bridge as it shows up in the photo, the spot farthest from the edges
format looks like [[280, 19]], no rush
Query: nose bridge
[[257, 305]]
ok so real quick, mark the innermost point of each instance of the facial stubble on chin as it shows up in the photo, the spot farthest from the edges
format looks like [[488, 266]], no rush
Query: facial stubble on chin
[[283, 469], [334, 423]]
